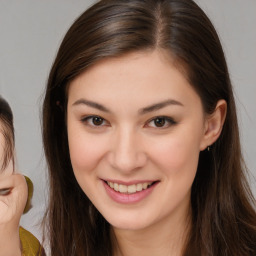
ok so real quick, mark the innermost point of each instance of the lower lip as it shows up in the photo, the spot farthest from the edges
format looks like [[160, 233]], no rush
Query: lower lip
[[128, 198]]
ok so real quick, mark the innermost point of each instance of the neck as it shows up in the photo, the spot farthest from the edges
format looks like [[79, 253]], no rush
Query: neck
[[166, 238]]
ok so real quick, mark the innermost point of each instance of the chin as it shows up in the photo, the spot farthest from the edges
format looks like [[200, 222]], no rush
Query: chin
[[128, 223]]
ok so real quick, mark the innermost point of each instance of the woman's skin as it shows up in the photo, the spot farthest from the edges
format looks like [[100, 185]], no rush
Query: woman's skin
[[12, 203], [132, 120]]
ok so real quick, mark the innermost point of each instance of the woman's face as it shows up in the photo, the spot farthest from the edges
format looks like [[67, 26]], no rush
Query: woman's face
[[135, 130]]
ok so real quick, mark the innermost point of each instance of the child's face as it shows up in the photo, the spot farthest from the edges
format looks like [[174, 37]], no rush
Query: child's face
[[135, 123], [13, 193], [9, 169]]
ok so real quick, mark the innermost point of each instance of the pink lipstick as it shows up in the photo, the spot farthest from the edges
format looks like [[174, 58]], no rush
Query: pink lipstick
[[128, 193]]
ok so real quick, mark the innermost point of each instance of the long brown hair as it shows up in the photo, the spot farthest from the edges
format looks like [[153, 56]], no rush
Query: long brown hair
[[223, 213], [7, 130]]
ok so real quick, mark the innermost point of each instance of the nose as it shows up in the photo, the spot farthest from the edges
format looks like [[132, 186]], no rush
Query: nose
[[127, 153]]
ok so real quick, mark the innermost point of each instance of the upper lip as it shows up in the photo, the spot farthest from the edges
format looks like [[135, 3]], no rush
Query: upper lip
[[127, 183]]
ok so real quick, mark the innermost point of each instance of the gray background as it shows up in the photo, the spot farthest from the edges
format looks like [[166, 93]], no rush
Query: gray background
[[30, 33]]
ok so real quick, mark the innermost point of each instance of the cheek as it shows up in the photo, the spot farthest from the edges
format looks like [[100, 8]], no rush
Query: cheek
[[177, 155], [85, 150]]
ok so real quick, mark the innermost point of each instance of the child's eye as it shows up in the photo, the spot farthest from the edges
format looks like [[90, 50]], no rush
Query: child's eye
[[161, 122], [94, 121], [5, 191]]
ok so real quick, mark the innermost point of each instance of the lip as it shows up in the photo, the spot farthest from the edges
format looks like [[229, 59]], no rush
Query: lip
[[127, 183], [128, 198]]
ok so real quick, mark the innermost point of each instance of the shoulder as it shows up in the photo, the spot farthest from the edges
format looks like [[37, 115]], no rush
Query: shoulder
[[30, 244]]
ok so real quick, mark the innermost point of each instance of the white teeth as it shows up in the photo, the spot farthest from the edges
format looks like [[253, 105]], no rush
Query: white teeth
[[129, 189], [144, 185], [122, 188], [139, 187], [116, 186]]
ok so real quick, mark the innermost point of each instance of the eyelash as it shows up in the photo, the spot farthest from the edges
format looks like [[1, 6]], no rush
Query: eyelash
[[88, 120], [5, 191], [167, 121]]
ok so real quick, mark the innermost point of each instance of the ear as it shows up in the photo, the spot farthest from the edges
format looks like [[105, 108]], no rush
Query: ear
[[213, 124]]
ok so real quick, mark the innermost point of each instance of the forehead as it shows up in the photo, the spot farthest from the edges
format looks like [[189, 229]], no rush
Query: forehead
[[142, 77]]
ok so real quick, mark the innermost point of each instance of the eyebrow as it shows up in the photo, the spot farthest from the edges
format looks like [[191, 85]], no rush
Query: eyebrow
[[160, 105], [91, 104], [142, 111]]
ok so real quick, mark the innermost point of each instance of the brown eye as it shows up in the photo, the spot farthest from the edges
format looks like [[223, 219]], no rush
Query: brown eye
[[160, 121], [97, 121], [94, 121]]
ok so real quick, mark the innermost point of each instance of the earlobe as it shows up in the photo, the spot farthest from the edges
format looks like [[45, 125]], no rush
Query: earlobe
[[213, 124]]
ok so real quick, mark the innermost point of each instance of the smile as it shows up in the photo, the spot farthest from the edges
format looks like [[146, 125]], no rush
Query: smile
[[129, 193], [124, 189]]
